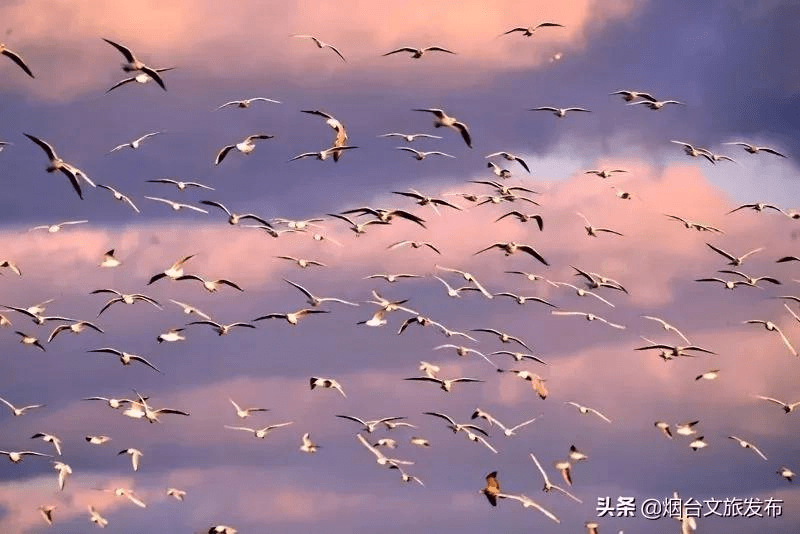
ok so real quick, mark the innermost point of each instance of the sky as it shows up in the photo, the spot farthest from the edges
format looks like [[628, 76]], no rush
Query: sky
[[732, 65]]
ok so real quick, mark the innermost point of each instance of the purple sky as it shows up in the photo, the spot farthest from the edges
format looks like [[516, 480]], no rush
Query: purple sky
[[731, 63]]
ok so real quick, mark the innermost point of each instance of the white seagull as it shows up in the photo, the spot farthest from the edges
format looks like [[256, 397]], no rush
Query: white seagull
[[134, 65], [136, 143], [586, 410], [559, 112], [321, 44], [444, 120], [246, 146], [242, 104]]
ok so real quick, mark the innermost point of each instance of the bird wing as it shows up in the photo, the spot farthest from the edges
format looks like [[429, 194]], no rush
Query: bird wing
[[222, 153], [123, 50], [18, 60]]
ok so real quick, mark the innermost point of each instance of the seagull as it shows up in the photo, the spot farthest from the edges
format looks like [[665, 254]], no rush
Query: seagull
[[134, 65], [693, 225], [747, 445], [414, 244], [583, 293], [492, 489], [566, 471], [96, 518], [298, 225], [244, 413], [586, 410], [630, 96], [320, 44], [444, 120], [328, 383], [316, 301], [222, 529], [507, 431], [58, 164], [222, 329], [16, 58], [667, 326], [391, 278], [592, 231], [753, 280], [686, 429], [246, 102], [559, 112], [389, 443], [445, 384], [53, 228], [140, 409], [3, 145], [381, 459], [176, 493], [589, 317], [10, 265], [120, 196], [511, 247], [787, 407], [210, 285], [136, 142], [63, 471], [772, 327], [757, 206], [49, 438], [385, 215], [189, 309], [463, 351], [655, 105], [16, 457], [510, 157], [174, 271], [97, 440], [521, 300], [664, 428], [786, 473], [246, 146], [409, 138], [576, 455], [112, 402], [605, 173], [454, 292], [419, 156], [357, 228], [504, 337], [180, 185], [479, 439], [423, 200], [498, 171], [34, 313], [692, 151], [537, 382], [25, 339], [129, 494], [139, 78], [674, 350], [260, 433], [469, 278], [522, 217], [370, 426], [753, 149], [519, 356], [47, 513], [734, 260], [75, 328], [528, 31], [307, 445], [729, 284], [125, 298], [549, 486], [457, 427], [532, 277], [126, 358], [708, 375], [292, 318], [322, 155], [529, 503], [417, 53], [176, 205], [340, 141], [429, 369]]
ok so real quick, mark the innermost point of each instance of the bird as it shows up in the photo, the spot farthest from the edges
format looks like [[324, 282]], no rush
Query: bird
[[53, 228], [511, 247], [16, 58], [244, 413], [419, 156], [786, 473], [370, 426], [502, 336], [423, 200], [758, 207], [140, 409], [188, 309], [260, 433], [179, 184], [692, 151], [322, 155], [63, 471], [134, 65], [136, 143], [747, 445], [176, 493], [409, 138], [589, 317], [521, 300], [125, 298], [686, 429], [340, 141], [674, 350], [548, 485], [176, 206], [210, 285], [16, 457], [754, 149], [527, 502], [75, 328], [511, 157], [463, 351], [112, 402], [772, 327], [222, 529], [25, 339], [47, 513], [380, 458], [385, 215], [328, 383], [728, 284], [126, 358], [454, 292], [457, 427], [667, 327], [58, 164], [291, 317], [584, 293], [96, 518], [492, 489], [391, 278], [734, 260], [442, 119], [359, 228], [586, 410], [243, 104], [753, 280], [576, 455], [173, 271], [315, 301], [97, 440], [139, 78], [5, 264], [519, 356], [694, 225], [537, 382], [307, 445], [320, 44], [787, 407], [656, 105], [522, 217], [605, 173], [559, 112], [222, 329], [417, 53], [49, 438], [414, 244], [630, 96], [120, 196], [528, 31], [664, 428], [445, 384], [246, 146], [592, 230], [708, 375]]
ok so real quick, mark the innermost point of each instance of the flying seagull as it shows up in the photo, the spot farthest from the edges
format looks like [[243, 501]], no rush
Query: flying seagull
[[417, 53], [528, 31], [444, 120], [58, 164], [16, 58], [320, 44], [243, 104], [135, 143], [134, 65], [246, 146]]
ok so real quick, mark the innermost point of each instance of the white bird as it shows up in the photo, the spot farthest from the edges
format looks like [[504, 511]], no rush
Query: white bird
[[53, 228], [589, 317], [244, 413], [291, 317], [128, 494], [786, 473], [391, 278], [222, 329], [242, 104], [529, 503], [136, 142], [537, 382], [380, 458], [512, 247], [210, 285], [586, 410], [126, 358], [25, 339], [18, 412], [125, 298], [692, 151], [5, 264], [444, 120], [234, 218], [417, 53], [502, 336], [593, 230], [58, 164], [96, 518], [308, 445], [139, 78], [431, 370], [17, 456], [176, 493], [528, 31], [328, 383], [222, 529], [753, 149], [176, 206], [63, 471], [734, 260], [479, 439], [340, 141], [414, 244], [315, 301], [583, 293], [359, 228], [120, 196], [664, 428], [409, 138], [370, 426], [140, 409], [246, 146], [747, 445], [419, 155], [511, 157], [559, 112], [772, 327], [113, 403], [97, 440], [49, 438], [47, 513], [445, 384], [457, 427], [694, 225], [321, 45], [667, 326], [322, 155], [519, 356], [388, 443], [173, 271], [708, 375], [655, 105], [686, 429], [605, 173], [179, 184], [171, 335], [188, 309], [75, 328], [787, 407], [134, 65], [260, 433], [464, 351], [630, 96]]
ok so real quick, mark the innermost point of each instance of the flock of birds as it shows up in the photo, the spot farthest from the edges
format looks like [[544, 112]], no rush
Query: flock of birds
[[592, 287]]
